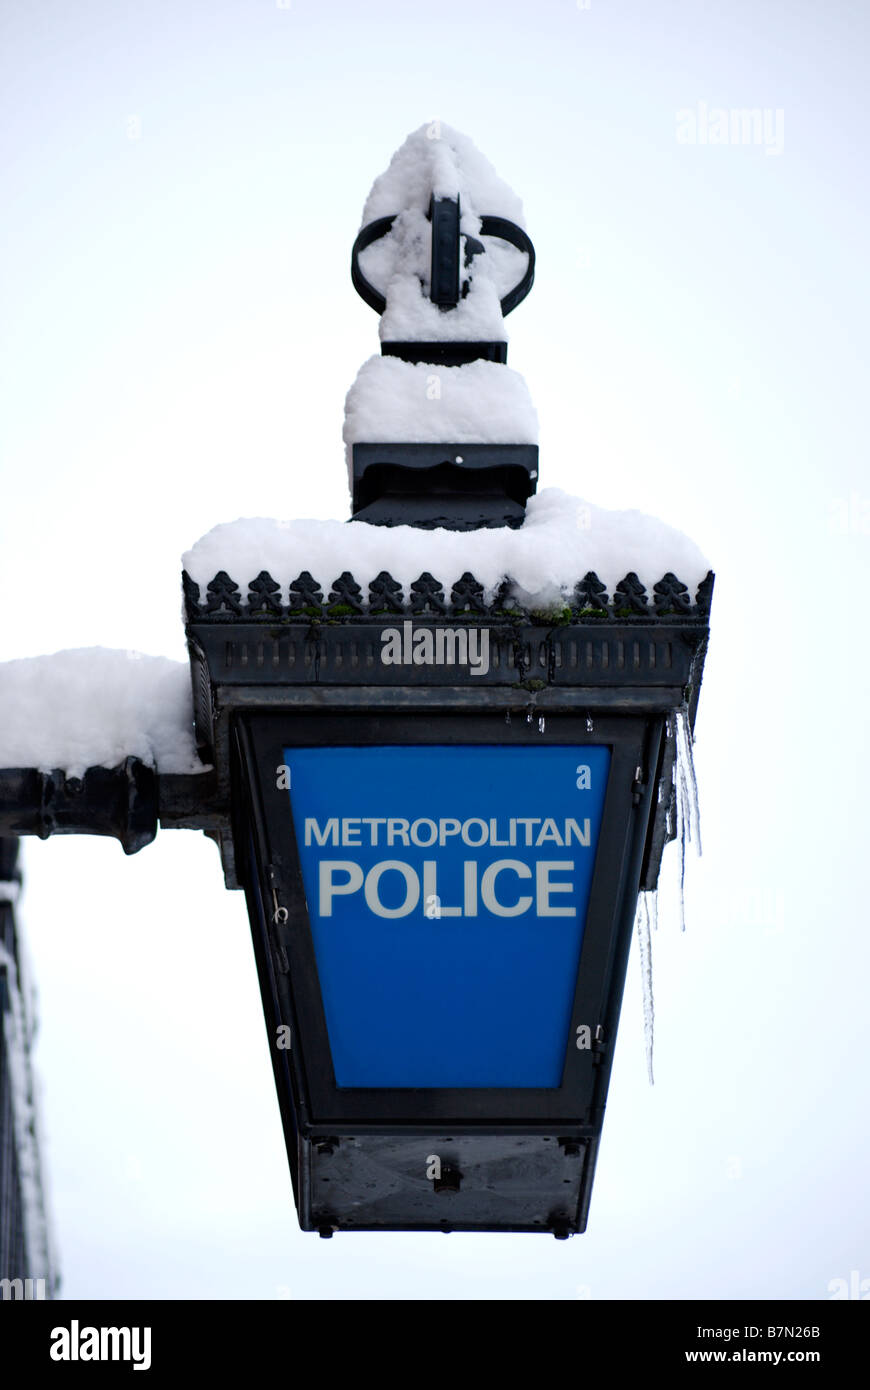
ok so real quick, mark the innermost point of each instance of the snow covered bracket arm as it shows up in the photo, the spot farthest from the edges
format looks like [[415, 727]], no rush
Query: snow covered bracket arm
[[100, 742], [120, 802]]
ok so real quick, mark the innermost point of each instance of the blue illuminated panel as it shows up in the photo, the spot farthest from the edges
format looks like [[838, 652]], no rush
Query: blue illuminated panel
[[447, 889]]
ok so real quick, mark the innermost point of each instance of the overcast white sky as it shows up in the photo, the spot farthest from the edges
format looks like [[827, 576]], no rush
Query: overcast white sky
[[184, 182]]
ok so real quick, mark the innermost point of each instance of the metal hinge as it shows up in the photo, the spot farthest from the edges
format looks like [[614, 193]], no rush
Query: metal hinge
[[638, 786]]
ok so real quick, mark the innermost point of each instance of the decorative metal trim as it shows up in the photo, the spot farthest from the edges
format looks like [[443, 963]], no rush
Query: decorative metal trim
[[587, 603], [261, 596], [427, 595]]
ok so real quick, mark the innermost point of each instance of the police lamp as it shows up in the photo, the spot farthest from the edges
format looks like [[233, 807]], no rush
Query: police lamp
[[441, 804]]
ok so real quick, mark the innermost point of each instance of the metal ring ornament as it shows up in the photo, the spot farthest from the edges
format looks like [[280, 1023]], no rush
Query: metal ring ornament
[[489, 226]]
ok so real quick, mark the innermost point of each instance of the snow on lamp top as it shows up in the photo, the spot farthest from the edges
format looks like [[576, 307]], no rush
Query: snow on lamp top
[[438, 159], [440, 213], [414, 401]]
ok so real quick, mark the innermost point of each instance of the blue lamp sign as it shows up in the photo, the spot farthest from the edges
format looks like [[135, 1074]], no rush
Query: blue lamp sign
[[447, 889]]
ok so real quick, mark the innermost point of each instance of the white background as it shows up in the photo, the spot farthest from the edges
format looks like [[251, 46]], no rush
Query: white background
[[183, 184]]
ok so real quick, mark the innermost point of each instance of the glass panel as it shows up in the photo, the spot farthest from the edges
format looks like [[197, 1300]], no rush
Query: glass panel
[[447, 888]]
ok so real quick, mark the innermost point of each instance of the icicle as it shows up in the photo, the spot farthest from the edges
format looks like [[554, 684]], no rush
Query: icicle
[[687, 773], [681, 831], [688, 814], [688, 831], [642, 925]]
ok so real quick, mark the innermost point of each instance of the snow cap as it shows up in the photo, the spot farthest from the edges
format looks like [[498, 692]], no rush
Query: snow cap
[[562, 537], [438, 161], [94, 707]]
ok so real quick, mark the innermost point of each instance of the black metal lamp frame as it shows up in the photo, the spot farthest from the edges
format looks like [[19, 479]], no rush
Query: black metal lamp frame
[[320, 1117]]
